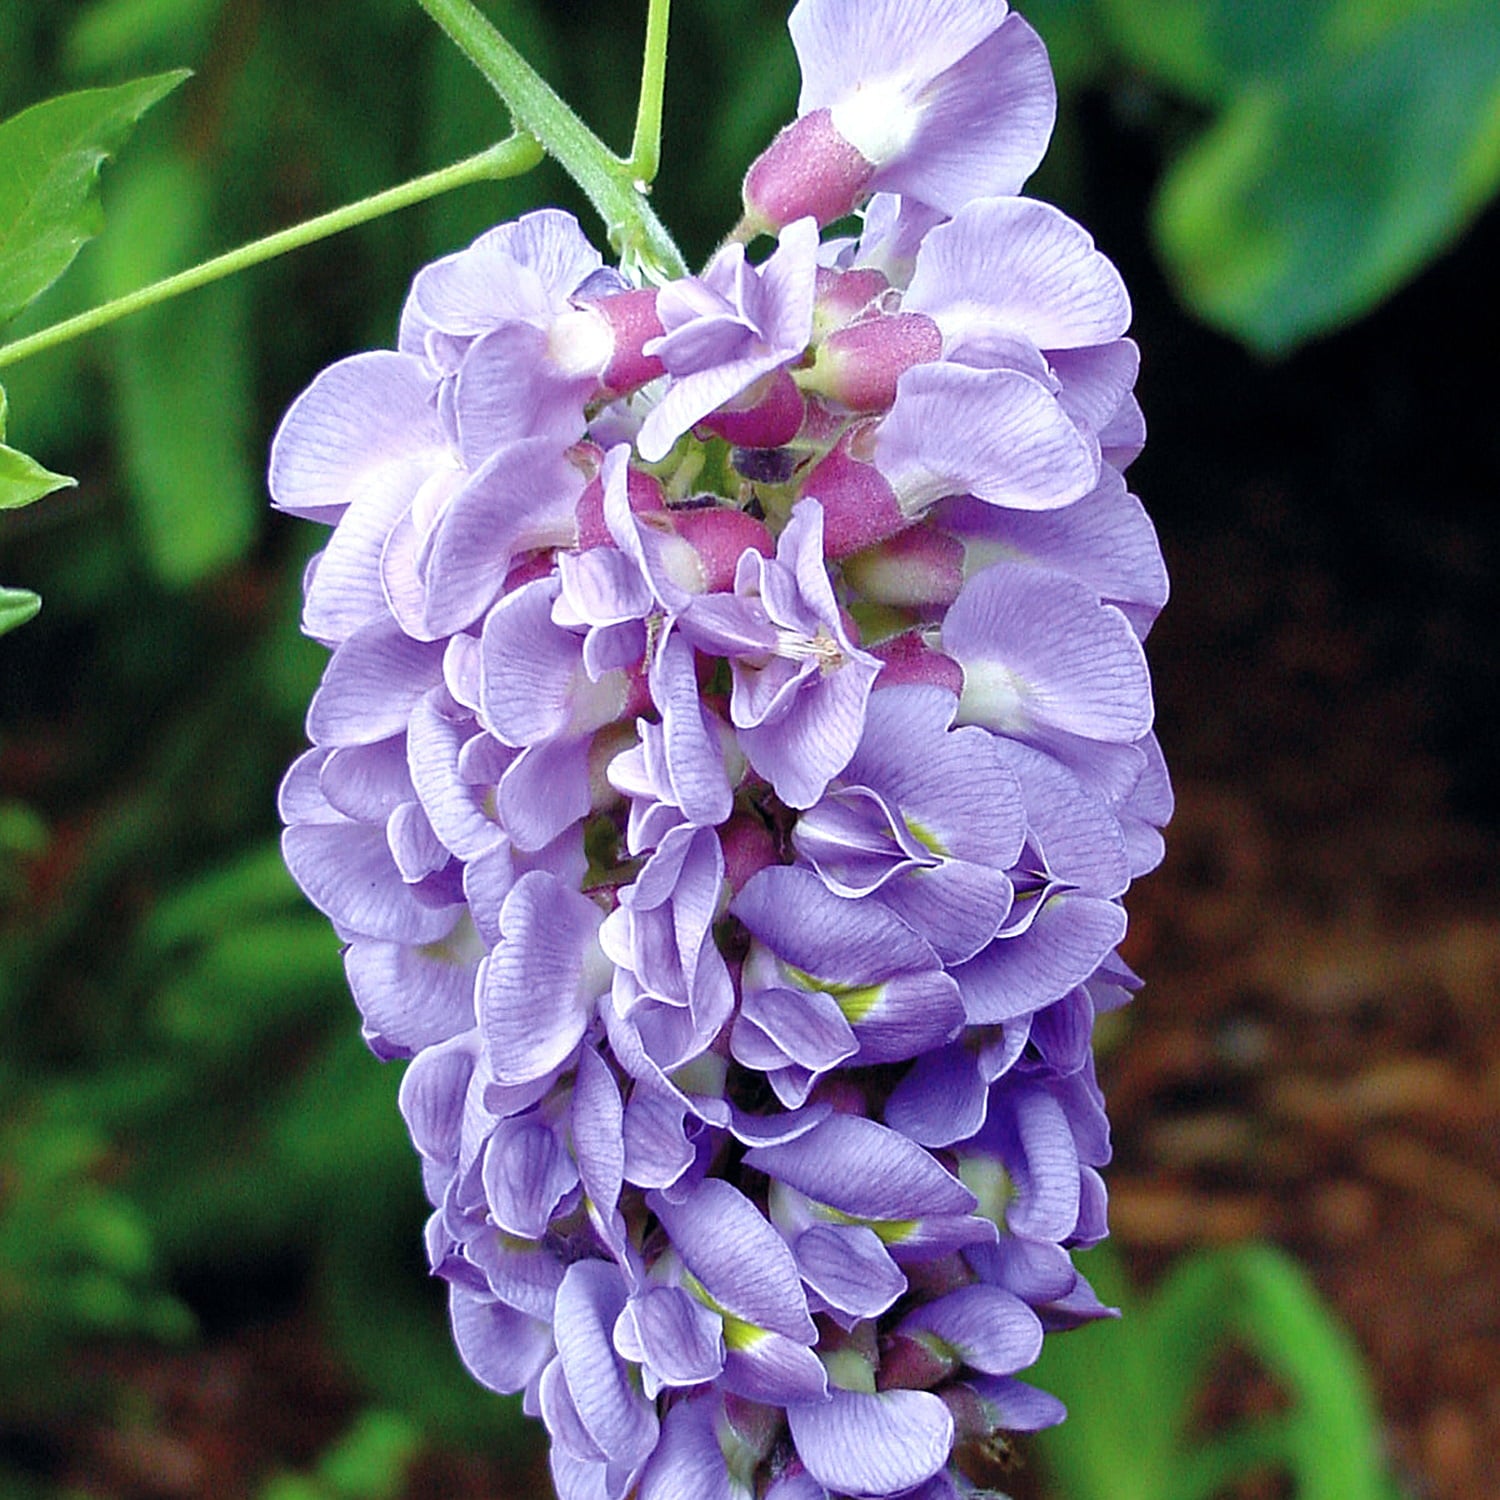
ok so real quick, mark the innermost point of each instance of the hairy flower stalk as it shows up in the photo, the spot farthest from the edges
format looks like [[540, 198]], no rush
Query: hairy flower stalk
[[736, 746]]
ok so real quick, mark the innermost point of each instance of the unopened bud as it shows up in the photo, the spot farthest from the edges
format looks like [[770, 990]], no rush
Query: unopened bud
[[909, 659], [719, 535], [633, 321], [858, 365], [919, 568], [859, 505], [768, 415], [808, 169]]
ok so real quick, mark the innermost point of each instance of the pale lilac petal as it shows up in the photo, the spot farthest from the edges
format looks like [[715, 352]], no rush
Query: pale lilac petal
[[1097, 382], [676, 1339], [417, 850], [984, 124], [544, 791], [503, 1349], [539, 988], [598, 1128], [988, 1328], [864, 1170], [778, 1026], [846, 45], [745, 1265], [688, 1463], [1066, 942], [366, 782], [526, 1173], [1105, 540], [344, 588], [457, 807], [411, 997], [1013, 1406], [868, 1444], [848, 1267], [1018, 264], [590, 1299], [1039, 651], [771, 1368], [695, 760], [996, 434], [371, 684], [1045, 1168], [366, 427], [941, 1099], [958, 907], [657, 1150], [508, 390], [523, 496], [346, 871]]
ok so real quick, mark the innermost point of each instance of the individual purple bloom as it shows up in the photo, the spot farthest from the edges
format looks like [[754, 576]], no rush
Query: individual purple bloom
[[941, 101], [522, 272], [540, 987], [864, 1443], [596, 1416], [829, 979], [727, 329], [669, 977], [800, 683], [926, 819], [356, 449], [1040, 653], [746, 1272], [851, 1169], [1006, 278]]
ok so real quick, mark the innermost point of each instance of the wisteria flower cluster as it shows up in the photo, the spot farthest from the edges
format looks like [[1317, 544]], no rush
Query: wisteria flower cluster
[[736, 744]]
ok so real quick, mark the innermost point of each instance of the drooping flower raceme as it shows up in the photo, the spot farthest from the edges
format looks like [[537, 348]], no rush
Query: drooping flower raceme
[[735, 748]]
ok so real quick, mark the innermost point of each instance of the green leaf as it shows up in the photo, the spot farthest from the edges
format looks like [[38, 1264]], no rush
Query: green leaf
[[23, 479], [49, 191], [17, 606], [1319, 191], [182, 380]]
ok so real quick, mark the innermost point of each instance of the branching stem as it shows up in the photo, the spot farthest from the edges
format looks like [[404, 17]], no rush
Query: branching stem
[[508, 158]]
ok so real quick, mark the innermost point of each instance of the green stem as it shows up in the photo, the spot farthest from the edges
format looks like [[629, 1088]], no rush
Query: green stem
[[634, 231], [509, 158], [645, 149]]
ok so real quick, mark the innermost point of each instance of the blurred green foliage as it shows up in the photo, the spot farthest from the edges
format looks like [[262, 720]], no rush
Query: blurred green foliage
[[1138, 1389], [186, 1096]]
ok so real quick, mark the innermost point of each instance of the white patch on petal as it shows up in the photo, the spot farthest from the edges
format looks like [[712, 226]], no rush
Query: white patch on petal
[[877, 119]]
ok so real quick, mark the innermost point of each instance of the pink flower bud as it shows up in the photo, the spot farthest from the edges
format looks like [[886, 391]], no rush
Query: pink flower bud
[[808, 169], [719, 536], [632, 320], [859, 506], [909, 659], [772, 417], [919, 568], [860, 363]]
